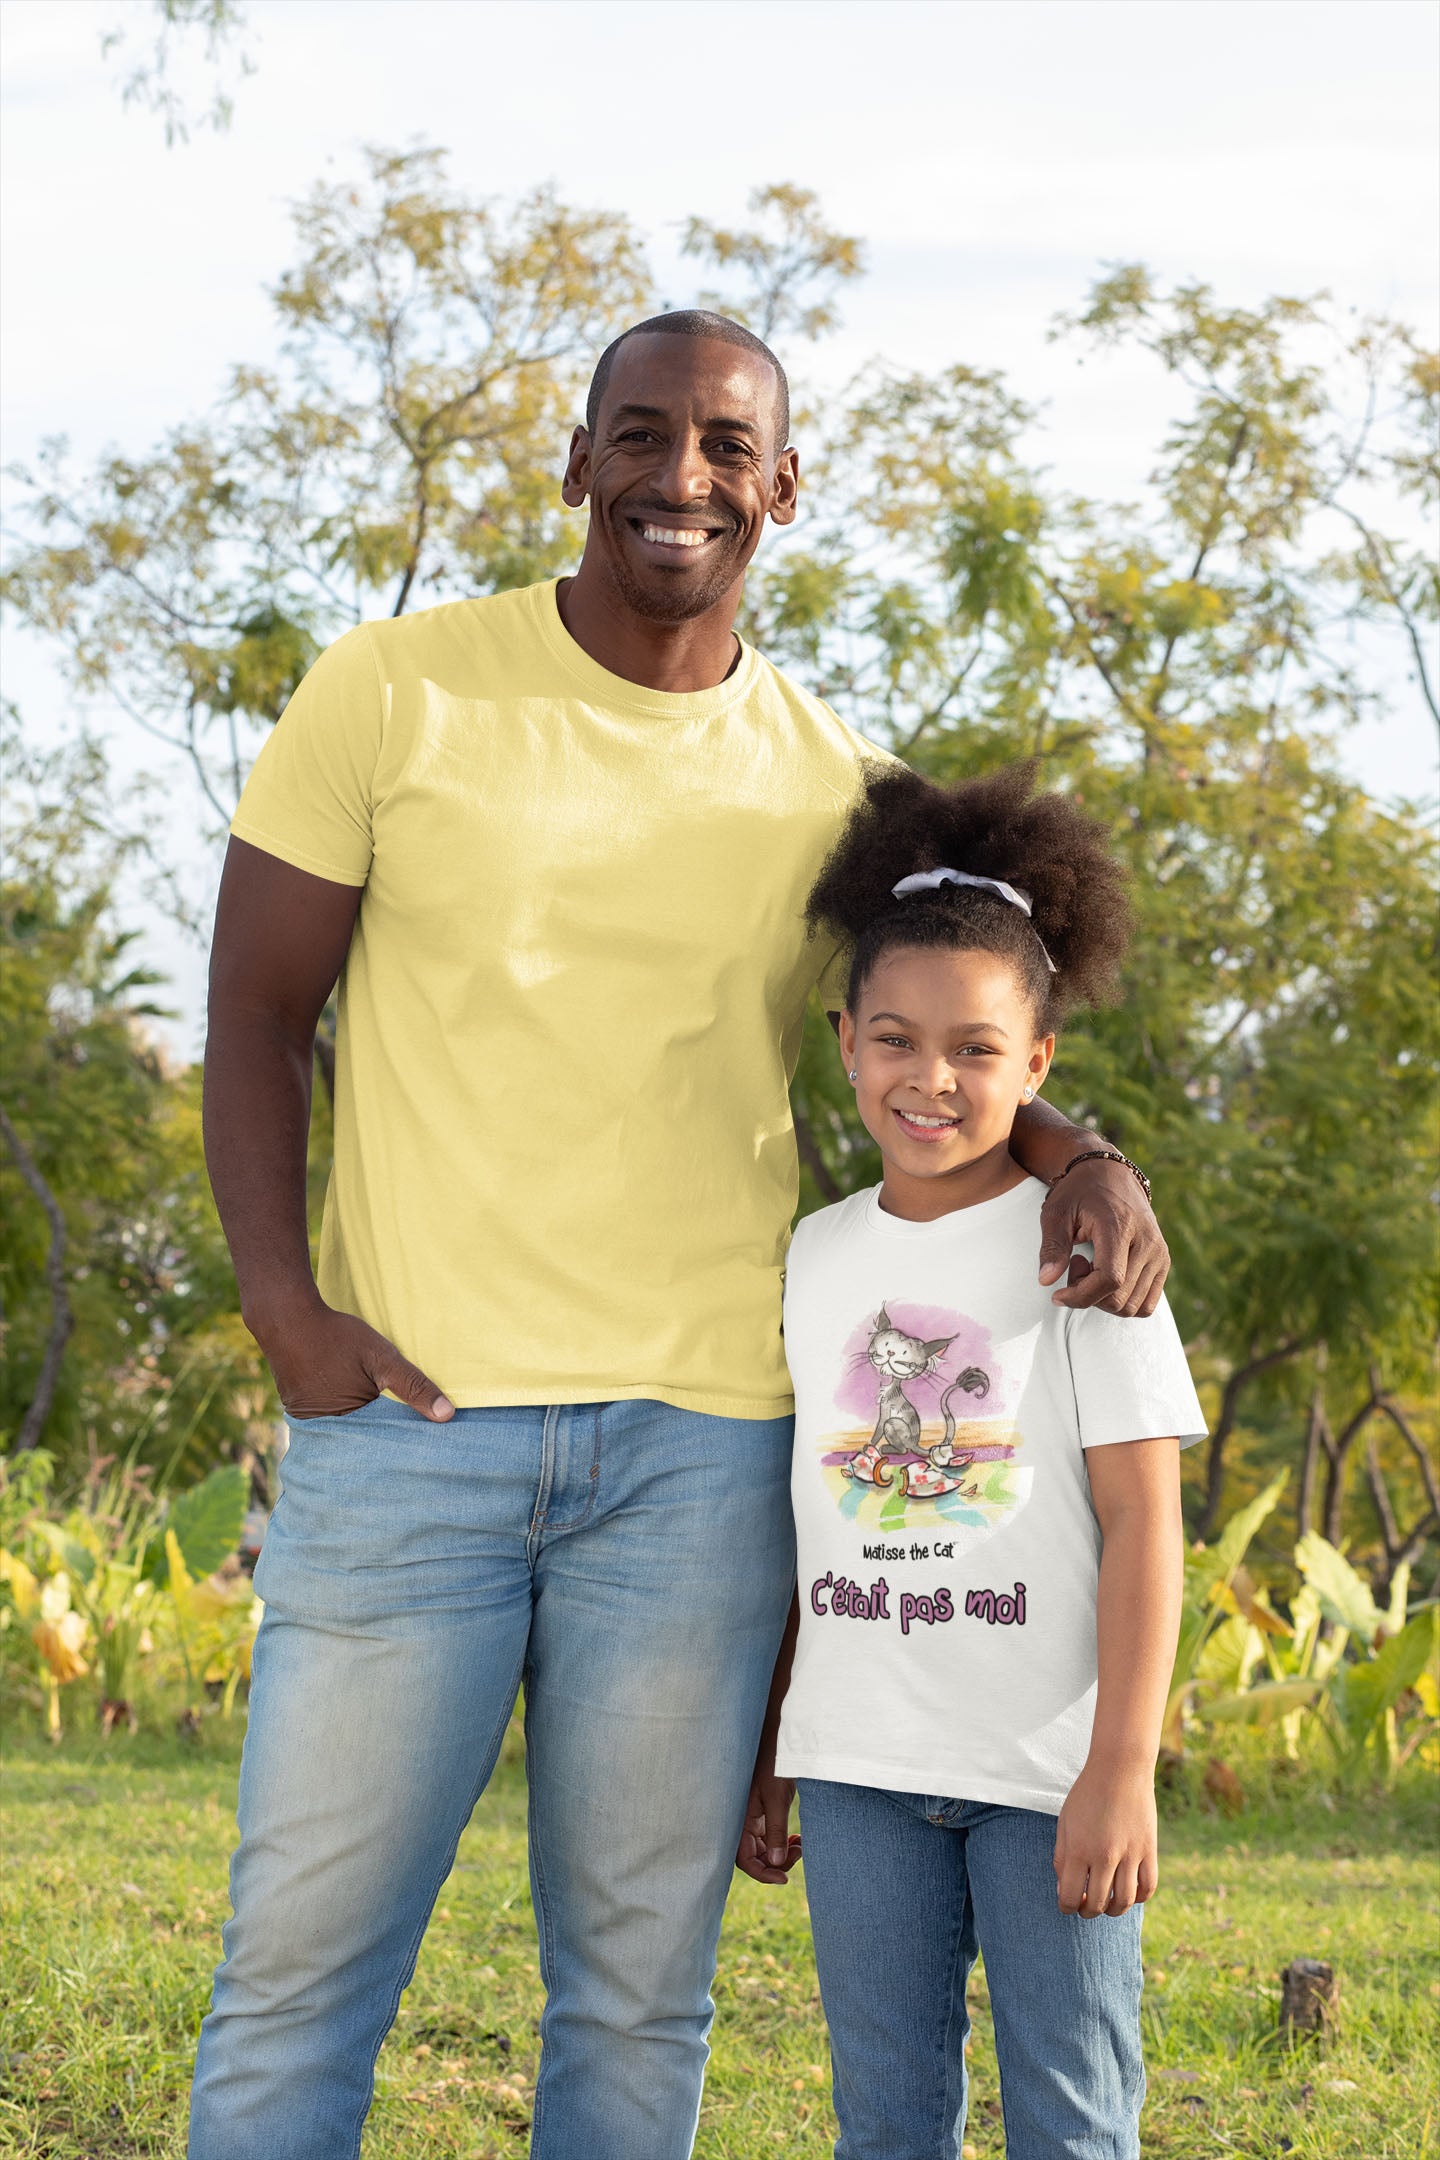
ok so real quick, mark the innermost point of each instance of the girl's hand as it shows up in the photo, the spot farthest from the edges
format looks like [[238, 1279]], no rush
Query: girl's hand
[[768, 1851], [1106, 1843]]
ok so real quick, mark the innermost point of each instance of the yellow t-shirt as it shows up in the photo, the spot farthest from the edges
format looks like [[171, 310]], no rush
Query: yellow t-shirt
[[564, 1160]]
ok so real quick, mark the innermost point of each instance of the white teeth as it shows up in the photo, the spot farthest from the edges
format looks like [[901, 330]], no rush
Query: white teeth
[[913, 1117], [674, 535]]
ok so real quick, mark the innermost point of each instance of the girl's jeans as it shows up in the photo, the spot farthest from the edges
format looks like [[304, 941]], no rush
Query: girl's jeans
[[903, 1889], [632, 1564]]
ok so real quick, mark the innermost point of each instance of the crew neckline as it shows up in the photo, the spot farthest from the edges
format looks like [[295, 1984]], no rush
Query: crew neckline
[[616, 690], [983, 1212]]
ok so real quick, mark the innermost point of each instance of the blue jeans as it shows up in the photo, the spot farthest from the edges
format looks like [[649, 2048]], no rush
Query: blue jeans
[[902, 1890], [632, 1564]]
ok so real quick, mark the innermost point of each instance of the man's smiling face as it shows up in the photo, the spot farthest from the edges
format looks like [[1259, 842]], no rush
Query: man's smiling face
[[681, 473]]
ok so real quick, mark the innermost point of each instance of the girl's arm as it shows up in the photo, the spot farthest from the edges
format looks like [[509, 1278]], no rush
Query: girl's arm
[[767, 1850], [1105, 1842]]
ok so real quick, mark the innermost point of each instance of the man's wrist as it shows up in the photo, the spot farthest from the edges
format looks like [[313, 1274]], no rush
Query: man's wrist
[[1104, 1154], [270, 1311]]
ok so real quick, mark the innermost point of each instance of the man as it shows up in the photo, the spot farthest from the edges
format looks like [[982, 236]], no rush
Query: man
[[555, 844]]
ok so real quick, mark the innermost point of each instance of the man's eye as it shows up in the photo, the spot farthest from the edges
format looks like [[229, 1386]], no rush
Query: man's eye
[[734, 449]]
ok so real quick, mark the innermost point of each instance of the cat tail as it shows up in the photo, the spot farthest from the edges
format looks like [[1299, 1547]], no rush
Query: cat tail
[[974, 1382]]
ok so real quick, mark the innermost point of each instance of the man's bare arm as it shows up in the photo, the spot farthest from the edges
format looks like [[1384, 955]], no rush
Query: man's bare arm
[[281, 937], [1099, 1203]]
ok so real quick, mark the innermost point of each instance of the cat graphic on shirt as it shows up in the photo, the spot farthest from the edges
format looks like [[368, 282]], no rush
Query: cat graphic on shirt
[[898, 1357]]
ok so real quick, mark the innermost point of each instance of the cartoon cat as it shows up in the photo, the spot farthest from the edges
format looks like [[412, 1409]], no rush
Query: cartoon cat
[[899, 1357]]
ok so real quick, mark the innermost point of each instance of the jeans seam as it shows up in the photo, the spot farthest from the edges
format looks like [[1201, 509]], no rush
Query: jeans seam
[[545, 1931], [951, 2102], [407, 1970]]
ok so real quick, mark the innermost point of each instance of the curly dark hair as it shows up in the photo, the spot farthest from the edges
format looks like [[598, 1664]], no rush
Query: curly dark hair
[[1044, 845]]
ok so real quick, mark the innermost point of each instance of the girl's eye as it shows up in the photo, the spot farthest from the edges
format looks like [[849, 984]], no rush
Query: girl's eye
[[895, 1042]]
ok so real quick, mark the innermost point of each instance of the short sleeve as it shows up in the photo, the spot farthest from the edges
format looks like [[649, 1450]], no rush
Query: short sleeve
[[309, 795], [1131, 1379]]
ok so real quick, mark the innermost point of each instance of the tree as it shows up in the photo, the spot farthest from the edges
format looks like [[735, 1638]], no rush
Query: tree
[[120, 1327], [433, 354], [790, 261], [1183, 665], [149, 81]]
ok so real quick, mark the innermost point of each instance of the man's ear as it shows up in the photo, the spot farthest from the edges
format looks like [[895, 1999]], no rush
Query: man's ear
[[786, 488], [576, 484]]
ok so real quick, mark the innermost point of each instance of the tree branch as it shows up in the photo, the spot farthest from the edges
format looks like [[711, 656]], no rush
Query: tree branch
[[1235, 1385], [1412, 1439]]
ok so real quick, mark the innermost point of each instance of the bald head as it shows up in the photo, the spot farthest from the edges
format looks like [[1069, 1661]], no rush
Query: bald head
[[693, 323]]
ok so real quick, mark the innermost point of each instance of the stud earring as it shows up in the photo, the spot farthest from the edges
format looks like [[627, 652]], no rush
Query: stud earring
[[854, 1075], [1028, 1093]]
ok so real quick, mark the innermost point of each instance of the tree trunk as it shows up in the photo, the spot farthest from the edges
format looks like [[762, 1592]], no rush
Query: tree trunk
[[1339, 1454], [62, 1319], [1402, 1547], [1309, 1997], [1238, 1381], [1317, 1435]]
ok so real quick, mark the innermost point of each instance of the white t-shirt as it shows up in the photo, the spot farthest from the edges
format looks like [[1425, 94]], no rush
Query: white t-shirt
[[948, 1549]]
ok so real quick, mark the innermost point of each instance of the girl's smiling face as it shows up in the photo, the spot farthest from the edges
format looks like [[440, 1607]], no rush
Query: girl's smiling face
[[944, 1049]]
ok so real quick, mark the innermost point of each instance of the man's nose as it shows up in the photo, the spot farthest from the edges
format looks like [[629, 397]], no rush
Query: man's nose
[[685, 475]]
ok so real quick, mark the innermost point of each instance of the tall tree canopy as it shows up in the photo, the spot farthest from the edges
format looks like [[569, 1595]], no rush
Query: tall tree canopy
[[1185, 664]]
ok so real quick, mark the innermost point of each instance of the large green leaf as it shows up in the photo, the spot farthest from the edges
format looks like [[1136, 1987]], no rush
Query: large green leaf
[[1376, 1686], [206, 1521], [1261, 1705], [1344, 1596], [74, 1557], [1234, 1540]]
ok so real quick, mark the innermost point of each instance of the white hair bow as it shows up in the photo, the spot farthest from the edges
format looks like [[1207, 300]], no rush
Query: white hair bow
[[928, 880]]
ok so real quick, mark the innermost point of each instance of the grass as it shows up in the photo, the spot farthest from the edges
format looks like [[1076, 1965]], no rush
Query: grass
[[116, 1866]]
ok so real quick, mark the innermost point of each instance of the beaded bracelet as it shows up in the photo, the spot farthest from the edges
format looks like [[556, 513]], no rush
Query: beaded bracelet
[[1104, 1155]]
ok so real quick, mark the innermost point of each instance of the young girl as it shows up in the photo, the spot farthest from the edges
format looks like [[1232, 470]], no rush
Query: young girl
[[986, 1493]]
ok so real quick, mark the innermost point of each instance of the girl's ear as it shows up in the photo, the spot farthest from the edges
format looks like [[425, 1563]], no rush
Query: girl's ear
[[1037, 1066], [846, 1032]]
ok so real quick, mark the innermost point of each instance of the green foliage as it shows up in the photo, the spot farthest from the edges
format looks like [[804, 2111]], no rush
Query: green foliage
[[205, 1523], [792, 264], [158, 1364], [1373, 1708], [149, 81], [434, 355], [1184, 665], [118, 1577]]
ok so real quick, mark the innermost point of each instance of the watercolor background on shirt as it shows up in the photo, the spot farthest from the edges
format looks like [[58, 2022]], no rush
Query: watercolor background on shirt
[[993, 1438]]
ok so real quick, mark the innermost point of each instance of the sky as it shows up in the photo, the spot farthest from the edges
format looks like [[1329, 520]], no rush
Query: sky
[[993, 155]]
